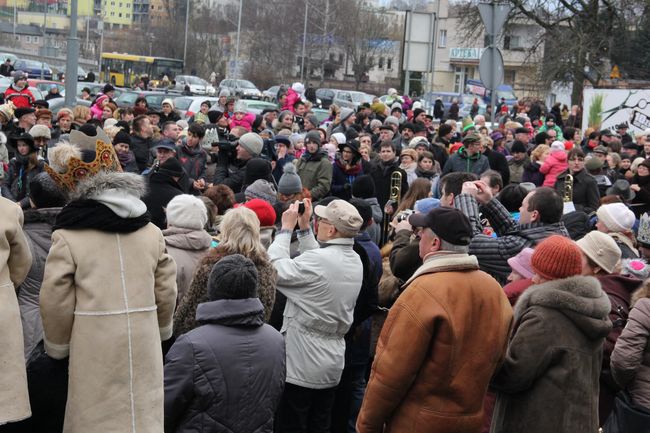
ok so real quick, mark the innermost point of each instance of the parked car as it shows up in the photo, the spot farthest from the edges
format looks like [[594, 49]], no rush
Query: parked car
[[33, 68], [256, 107], [342, 98], [58, 103], [198, 85], [360, 97], [241, 88], [44, 85], [187, 106], [5, 56], [154, 99], [271, 94], [321, 114]]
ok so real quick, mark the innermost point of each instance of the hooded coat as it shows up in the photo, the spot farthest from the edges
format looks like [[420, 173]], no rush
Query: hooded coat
[[554, 164], [162, 189], [549, 379], [15, 261], [187, 247], [107, 301], [460, 161], [226, 375]]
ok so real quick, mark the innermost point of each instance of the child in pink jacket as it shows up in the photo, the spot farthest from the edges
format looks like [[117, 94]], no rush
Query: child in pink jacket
[[241, 117], [554, 164]]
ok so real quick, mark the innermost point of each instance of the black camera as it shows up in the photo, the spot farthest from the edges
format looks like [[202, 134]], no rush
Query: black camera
[[301, 207]]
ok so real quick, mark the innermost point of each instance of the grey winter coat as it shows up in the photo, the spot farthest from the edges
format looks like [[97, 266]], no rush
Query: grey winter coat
[[187, 247], [630, 360], [227, 375], [459, 161], [493, 253], [549, 381], [38, 230]]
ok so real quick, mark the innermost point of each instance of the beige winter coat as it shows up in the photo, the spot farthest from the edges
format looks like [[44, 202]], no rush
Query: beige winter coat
[[107, 300], [187, 247], [15, 261]]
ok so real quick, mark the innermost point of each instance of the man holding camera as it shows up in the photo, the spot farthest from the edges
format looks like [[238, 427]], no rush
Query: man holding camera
[[321, 286], [231, 171]]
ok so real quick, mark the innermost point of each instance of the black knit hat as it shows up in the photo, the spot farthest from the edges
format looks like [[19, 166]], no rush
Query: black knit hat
[[233, 277], [171, 167], [44, 192], [363, 187], [257, 168], [122, 137], [518, 147]]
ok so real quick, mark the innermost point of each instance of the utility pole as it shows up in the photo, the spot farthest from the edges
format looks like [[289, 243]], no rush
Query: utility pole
[[325, 37], [304, 42], [44, 45], [72, 60], [187, 23], [241, 2]]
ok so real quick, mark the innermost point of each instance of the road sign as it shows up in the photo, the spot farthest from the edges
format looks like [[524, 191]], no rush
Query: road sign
[[494, 16], [491, 68]]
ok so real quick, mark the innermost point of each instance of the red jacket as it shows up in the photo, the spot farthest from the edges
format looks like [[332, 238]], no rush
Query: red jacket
[[292, 98], [20, 99]]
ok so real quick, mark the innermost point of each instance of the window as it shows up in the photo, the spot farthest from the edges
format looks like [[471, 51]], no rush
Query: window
[[442, 39], [35, 39], [380, 65], [112, 14], [509, 77], [512, 43], [128, 15], [332, 57], [120, 15], [340, 57], [120, 4], [371, 61], [389, 64]]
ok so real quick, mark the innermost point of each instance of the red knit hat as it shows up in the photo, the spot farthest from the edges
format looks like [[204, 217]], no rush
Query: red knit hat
[[264, 211], [557, 257]]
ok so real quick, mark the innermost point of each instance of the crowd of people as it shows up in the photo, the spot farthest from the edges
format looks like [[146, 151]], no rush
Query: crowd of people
[[386, 269]]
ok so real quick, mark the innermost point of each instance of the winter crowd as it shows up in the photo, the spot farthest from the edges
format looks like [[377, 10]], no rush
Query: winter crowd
[[383, 270]]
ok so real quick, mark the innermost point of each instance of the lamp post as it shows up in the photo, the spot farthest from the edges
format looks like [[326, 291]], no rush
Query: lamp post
[[72, 60], [304, 41], [238, 35], [187, 23]]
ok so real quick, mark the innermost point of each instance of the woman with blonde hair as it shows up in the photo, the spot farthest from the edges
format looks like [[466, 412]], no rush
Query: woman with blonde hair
[[81, 114], [531, 169], [240, 234]]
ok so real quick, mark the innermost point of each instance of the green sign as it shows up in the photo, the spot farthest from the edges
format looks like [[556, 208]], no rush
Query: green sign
[[465, 53]]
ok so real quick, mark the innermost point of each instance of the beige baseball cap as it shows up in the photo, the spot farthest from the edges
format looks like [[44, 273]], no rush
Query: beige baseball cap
[[343, 216]]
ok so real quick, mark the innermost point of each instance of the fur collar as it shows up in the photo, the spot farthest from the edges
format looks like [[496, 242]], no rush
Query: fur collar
[[129, 183], [445, 262], [580, 298]]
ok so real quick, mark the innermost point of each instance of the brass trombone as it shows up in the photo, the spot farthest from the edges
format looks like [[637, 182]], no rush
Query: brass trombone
[[394, 198]]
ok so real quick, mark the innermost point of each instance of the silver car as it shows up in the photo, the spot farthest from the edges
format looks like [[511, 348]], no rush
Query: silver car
[[198, 85], [240, 88]]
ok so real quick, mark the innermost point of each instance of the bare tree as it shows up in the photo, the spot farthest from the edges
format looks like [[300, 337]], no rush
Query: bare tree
[[366, 35]]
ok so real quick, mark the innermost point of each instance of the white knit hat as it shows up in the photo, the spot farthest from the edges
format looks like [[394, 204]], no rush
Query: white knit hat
[[557, 145], [339, 137], [187, 212], [616, 216]]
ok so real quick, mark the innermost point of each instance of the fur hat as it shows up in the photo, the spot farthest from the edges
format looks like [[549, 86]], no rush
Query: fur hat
[[264, 211], [601, 249], [290, 182], [636, 268], [38, 131], [616, 216], [7, 110], [233, 277], [262, 189], [643, 233], [187, 212], [252, 142], [557, 257]]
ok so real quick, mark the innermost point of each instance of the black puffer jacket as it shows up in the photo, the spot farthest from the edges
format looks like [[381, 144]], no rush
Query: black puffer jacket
[[227, 375]]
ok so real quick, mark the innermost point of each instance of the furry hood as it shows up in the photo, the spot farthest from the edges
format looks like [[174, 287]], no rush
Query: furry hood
[[129, 183], [580, 298]]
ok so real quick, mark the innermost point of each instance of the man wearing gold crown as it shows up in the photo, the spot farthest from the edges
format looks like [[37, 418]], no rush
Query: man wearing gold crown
[[108, 292]]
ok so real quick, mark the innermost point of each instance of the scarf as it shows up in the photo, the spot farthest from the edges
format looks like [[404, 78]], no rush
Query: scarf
[[125, 159], [316, 156], [349, 170], [90, 214]]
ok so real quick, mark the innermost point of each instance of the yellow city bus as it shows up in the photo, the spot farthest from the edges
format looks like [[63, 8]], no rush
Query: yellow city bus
[[124, 69]]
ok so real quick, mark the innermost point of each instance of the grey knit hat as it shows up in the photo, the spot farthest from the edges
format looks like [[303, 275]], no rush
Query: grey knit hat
[[233, 277], [252, 142], [262, 189], [290, 181]]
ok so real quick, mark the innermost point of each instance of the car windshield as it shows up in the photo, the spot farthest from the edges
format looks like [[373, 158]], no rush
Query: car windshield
[[196, 80], [32, 64], [358, 97], [128, 98], [507, 94], [183, 103], [246, 84]]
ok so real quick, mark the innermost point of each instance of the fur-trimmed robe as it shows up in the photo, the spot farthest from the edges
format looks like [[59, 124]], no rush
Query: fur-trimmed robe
[[549, 381], [106, 301]]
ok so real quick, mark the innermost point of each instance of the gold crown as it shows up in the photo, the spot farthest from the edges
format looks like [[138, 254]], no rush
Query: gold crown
[[76, 169]]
